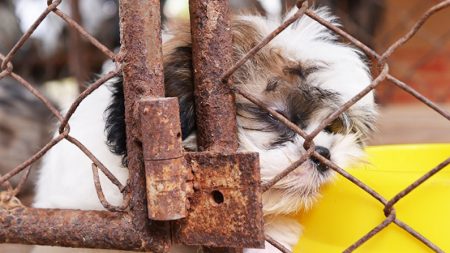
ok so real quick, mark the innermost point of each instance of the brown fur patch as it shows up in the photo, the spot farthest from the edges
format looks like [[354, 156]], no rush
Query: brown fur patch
[[270, 75]]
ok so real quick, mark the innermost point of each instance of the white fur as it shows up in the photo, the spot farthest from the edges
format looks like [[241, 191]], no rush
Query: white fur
[[65, 179], [309, 41]]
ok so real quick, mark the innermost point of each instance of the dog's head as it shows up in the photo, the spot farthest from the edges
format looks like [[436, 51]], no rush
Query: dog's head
[[305, 74]]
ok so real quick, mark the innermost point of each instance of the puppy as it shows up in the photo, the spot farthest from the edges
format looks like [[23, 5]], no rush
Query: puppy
[[304, 74]]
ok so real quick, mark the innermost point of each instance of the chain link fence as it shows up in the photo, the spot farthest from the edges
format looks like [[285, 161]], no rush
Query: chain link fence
[[122, 227], [423, 61]]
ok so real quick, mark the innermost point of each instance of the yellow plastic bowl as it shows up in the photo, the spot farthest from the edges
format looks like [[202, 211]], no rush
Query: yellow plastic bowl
[[345, 212]]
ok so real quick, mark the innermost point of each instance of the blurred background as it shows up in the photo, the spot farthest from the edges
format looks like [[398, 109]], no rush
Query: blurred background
[[60, 63]]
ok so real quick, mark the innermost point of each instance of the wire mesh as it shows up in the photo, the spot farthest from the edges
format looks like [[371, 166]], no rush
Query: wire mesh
[[389, 209], [7, 69], [64, 128], [110, 229]]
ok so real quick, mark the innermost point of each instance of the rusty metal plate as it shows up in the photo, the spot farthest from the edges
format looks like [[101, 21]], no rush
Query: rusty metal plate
[[225, 206]]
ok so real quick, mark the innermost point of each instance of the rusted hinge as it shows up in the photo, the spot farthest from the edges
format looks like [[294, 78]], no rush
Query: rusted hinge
[[214, 198]]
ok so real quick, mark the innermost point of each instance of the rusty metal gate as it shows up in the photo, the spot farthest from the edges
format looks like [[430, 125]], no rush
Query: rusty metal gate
[[174, 196]]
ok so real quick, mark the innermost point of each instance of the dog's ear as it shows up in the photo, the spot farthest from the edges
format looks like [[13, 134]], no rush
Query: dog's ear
[[116, 137], [363, 120], [178, 82]]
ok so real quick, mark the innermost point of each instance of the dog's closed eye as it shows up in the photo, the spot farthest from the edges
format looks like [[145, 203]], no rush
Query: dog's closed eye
[[301, 71], [272, 84]]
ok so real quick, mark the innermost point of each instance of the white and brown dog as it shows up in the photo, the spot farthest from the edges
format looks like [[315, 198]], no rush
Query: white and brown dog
[[304, 73]]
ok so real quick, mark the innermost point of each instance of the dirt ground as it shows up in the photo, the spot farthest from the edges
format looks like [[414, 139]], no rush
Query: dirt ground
[[397, 124]]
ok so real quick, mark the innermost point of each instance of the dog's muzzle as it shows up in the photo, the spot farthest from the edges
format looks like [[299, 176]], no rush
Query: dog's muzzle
[[323, 152]]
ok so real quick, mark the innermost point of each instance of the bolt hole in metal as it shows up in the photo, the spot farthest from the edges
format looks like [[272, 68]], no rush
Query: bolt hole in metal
[[218, 197]]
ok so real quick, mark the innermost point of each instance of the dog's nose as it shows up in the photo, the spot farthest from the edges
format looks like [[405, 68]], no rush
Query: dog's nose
[[323, 152]]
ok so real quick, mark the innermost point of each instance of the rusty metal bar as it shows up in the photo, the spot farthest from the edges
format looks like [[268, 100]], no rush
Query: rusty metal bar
[[211, 56], [165, 171], [141, 53], [141, 58], [216, 117], [70, 228], [153, 125]]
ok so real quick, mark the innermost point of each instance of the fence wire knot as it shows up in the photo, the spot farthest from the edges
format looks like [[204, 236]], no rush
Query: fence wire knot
[[9, 201]]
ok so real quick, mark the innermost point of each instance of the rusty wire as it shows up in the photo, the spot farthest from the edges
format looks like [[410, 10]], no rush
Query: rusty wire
[[29, 87], [6, 185], [309, 142], [302, 8], [266, 186], [11, 191], [367, 50], [64, 130], [28, 33], [85, 34], [101, 196], [276, 244]]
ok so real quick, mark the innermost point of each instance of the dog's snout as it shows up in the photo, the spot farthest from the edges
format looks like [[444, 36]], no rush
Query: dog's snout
[[323, 152]]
